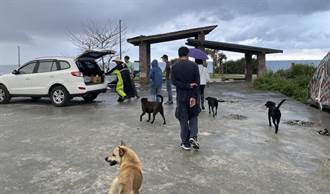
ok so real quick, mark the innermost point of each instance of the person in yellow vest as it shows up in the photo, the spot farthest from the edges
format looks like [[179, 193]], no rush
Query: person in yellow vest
[[119, 80]]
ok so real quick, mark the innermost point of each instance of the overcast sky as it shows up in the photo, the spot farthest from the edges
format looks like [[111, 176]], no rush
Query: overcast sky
[[300, 27]]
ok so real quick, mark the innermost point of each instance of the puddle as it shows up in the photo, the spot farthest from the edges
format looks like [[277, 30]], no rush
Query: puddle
[[300, 123], [205, 133], [234, 94], [236, 117], [227, 100], [325, 132]]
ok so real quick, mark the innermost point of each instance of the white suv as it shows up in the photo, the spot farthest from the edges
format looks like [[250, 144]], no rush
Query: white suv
[[60, 78]]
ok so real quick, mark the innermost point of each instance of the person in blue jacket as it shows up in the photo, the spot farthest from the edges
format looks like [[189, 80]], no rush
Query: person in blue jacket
[[156, 77]]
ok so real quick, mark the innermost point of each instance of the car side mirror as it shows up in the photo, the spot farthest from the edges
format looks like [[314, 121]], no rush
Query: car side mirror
[[15, 72]]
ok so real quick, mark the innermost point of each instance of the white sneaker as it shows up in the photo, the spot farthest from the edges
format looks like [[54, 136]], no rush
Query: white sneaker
[[194, 143], [185, 147]]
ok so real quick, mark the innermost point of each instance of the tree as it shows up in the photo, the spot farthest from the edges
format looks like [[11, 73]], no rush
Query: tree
[[98, 36], [218, 59]]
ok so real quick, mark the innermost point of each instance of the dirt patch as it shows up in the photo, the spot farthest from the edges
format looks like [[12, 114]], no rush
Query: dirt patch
[[300, 123], [235, 117]]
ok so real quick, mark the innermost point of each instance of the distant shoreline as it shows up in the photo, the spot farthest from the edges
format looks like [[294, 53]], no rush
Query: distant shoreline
[[273, 65]]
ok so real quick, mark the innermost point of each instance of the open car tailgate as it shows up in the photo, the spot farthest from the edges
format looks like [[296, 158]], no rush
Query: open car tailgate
[[94, 54]]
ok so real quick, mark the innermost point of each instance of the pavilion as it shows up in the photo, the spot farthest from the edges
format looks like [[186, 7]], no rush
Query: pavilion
[[196, 37]]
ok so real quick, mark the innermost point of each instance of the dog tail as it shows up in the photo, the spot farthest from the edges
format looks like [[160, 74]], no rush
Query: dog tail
[[278, 106], [161, 98], [220, 100]]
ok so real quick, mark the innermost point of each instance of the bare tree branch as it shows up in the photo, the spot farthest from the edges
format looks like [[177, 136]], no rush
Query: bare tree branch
[[98, 36]]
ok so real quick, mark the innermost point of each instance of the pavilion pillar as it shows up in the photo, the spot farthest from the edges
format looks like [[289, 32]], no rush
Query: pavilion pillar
[[144, 57], [200, 37], [261, 58], [248, 67]]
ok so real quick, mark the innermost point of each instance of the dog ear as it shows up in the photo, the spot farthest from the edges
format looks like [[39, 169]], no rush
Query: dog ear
[[122, 151], [122, 143]]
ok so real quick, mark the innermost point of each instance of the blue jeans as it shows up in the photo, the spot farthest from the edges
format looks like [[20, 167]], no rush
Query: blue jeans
[[169, 90], [155, 91]]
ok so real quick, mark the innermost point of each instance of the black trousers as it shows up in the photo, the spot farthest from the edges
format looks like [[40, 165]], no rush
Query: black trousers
[[201, 91]]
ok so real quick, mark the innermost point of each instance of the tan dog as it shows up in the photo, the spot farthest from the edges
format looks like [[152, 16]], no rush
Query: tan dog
[[130, 177]]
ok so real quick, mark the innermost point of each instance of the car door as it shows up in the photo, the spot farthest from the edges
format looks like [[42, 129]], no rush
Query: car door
[[20, 83], [43, 77]]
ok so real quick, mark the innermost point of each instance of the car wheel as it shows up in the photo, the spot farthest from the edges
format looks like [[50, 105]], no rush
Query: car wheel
[[59, 96], [4, 95], [90, 97], [34, 99]]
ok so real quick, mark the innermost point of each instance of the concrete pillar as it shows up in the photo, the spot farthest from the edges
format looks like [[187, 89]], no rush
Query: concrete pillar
[[144, 57], [200, 36], [261, 57], [248, 67]]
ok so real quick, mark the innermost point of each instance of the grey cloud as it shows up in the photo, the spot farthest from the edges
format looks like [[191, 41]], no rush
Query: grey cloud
[[22, 21]]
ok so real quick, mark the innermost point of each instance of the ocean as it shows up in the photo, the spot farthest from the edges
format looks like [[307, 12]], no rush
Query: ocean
[[271, 65]]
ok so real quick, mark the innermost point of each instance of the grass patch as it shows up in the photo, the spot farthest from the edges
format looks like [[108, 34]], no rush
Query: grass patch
[[292, 82]]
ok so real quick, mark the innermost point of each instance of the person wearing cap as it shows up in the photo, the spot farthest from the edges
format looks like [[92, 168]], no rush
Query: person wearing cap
[[126, 84], [168, 68]]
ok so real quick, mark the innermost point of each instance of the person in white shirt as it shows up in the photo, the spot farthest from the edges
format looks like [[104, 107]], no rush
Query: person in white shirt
[[204, 79]]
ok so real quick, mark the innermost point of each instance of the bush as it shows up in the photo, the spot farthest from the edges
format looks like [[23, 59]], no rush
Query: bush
[[292, 82]]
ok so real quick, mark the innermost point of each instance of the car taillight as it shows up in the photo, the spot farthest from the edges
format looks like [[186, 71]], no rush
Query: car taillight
[[77, 73]]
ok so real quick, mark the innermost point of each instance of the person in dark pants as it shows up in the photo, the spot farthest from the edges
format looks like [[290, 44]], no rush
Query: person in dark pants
[[185, 76], [156, 77], [204, 79], [168, 70], [130, 67], [124, 79]]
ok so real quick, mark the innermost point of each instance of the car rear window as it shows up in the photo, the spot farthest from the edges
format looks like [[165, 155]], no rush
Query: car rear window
[[46, 66], [64, 65]]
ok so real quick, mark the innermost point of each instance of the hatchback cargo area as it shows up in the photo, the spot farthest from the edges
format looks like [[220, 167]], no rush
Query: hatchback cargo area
[[91, 71]]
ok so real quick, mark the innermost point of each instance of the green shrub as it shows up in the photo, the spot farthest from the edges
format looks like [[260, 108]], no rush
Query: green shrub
[[238, 66], [292, 82]]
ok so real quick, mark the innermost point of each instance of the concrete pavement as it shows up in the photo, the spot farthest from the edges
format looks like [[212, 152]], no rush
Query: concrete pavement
[[44, 149]]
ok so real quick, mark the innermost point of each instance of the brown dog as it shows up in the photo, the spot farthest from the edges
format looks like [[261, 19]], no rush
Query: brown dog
[[152, 107], [130, 178]]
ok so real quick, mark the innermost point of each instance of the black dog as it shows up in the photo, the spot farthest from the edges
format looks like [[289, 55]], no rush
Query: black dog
[[274, 113], [213, 103], [152, 107]]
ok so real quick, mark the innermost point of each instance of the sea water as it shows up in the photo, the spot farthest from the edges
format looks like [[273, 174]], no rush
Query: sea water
[[271, 65]]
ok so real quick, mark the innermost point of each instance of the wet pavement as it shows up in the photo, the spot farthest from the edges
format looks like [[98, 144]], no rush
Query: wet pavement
[[44, 149]]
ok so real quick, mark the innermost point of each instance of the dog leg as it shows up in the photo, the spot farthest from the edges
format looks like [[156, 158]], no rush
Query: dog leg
[[115, 188], [142, 116], [162, 113], [216, 110], [270, 123], [209, 109], [276, 127], [153, 118], [213, 111], [148, 117]]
